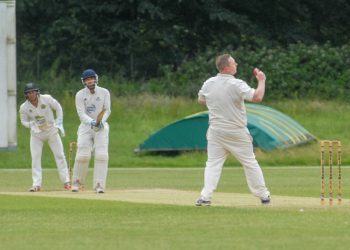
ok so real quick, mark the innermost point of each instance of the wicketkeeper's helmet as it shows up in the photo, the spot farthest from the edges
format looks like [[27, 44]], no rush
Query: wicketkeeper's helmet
[[89, 73], [30, 87]]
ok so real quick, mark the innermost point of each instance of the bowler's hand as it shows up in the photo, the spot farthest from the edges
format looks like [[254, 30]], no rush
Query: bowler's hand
[[260, 76]]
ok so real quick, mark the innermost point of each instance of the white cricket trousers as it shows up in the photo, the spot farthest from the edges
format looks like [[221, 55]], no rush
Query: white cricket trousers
[[90, 141], [237, 142], [36, 148]]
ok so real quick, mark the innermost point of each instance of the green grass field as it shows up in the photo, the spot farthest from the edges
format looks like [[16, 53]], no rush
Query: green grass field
[[133, 119], [152, 208], [33, 221]]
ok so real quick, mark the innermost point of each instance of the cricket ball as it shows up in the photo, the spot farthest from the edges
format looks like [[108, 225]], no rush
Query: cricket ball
[[255, 71]]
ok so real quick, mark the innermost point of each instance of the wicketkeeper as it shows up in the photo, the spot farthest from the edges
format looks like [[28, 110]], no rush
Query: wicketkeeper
[[93, 104], [36, 113]]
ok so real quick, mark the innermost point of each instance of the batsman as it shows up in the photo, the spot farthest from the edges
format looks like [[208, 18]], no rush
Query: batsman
[[93, 104]]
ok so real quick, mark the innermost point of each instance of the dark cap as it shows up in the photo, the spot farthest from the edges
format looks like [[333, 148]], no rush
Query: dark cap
[[30, 87]]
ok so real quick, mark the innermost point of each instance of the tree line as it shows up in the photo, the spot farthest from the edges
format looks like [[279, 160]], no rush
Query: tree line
[[135, 37], [143, 40]]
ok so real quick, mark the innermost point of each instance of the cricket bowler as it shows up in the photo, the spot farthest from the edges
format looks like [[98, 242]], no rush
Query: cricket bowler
[[224, 96]]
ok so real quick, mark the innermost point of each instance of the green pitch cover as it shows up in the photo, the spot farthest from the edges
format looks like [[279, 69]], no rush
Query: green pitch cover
[[269, 128]]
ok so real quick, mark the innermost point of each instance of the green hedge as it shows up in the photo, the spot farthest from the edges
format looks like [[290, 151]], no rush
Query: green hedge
[[298, 71]]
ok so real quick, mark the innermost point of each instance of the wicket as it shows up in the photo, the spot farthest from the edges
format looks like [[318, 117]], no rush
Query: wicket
[[72, 147], [327, 146]]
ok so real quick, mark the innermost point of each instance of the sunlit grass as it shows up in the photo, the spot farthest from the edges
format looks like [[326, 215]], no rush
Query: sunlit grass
[[67, 223], [134, 118]]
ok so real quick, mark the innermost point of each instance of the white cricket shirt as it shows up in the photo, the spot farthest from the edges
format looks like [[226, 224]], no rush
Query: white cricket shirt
[[224, 96], [90, 105], [42, 115]]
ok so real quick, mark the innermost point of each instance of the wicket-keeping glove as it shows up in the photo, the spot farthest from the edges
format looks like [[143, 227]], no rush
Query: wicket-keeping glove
[[34, 127], [59, 125]]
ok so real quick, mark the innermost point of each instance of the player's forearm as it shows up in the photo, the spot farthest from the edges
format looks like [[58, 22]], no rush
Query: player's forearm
[[83, 117], [26, 124], [55, 105], [259, 92], [59, 112], [24, 120]]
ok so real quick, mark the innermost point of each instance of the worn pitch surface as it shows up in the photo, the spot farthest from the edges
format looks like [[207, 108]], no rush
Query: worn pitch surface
[[184, 198]]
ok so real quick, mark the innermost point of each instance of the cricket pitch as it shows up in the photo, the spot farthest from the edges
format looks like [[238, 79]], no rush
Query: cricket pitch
[[185, 198]]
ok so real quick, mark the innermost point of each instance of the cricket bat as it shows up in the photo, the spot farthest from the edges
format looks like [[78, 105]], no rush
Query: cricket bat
[[99, 117]]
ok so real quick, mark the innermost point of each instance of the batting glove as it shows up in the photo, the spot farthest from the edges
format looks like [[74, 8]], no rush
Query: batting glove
[[93, 123]]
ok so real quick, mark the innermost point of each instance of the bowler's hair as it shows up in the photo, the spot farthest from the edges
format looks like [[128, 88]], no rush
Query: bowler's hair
[[222, 61]]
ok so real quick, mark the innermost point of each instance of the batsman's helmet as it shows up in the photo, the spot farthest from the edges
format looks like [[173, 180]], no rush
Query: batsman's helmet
[[89, 73], [30, 87]]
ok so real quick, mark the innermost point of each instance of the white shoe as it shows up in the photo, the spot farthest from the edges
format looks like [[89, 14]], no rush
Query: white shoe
[[99, 189], [75, 187]]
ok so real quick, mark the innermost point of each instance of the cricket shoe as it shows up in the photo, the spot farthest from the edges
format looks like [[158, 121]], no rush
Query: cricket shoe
[[76, 186], [67, 186], [99, 189], [201, 202], [34, 189], [266, 201]]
